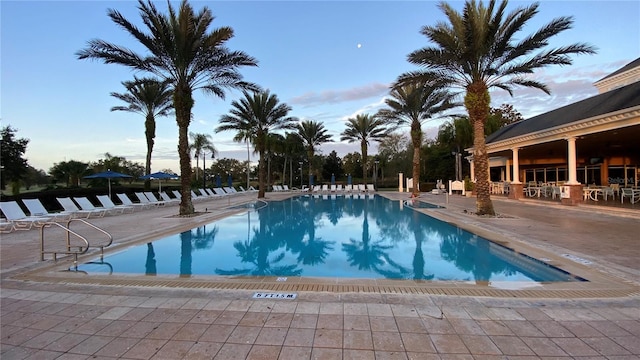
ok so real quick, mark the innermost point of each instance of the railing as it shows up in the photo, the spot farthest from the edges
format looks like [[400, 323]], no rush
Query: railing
[[76, 249]]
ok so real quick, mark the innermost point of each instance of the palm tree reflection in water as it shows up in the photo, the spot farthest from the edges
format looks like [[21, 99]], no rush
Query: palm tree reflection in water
[[198, 239], [150, 265]]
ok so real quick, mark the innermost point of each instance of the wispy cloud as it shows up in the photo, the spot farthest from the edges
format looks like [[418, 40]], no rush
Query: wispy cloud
[[337, 96]]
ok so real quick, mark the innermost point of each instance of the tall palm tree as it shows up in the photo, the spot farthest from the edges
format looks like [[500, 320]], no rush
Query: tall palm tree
[[364, 128], [482, 48], [150, 98], [256, 115], [183, 52], [201, 144], [413, 104], [313, 134]]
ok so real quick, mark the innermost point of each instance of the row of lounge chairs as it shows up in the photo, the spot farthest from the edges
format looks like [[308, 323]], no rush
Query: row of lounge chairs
[[16, 219], [337, 188]]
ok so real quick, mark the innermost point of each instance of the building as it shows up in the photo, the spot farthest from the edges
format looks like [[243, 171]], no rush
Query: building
[[593, 141]]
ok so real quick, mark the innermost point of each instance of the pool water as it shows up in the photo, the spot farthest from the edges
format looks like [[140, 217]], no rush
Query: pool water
[[331, 236]]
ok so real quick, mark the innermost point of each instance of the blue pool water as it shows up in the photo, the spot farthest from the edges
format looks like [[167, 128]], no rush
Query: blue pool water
[[338, 236]]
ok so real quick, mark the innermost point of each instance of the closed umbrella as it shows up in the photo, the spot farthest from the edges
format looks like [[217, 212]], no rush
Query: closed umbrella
[[159, 176], [230, 181], [349, 179], [108, 175], [218, 181], [333, 179]]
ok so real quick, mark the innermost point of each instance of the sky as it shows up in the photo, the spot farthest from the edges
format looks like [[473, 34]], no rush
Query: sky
[[328, 60]]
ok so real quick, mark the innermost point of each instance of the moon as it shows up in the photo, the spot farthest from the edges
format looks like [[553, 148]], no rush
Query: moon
[[359, 46]]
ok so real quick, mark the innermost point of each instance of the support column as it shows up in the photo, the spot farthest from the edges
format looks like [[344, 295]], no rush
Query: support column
[[473, 171], [574, 190], [508, 171], [515, 190]]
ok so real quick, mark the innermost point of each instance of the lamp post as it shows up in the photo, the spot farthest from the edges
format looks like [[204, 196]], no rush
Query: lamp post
[[204, 169], [300, 162]]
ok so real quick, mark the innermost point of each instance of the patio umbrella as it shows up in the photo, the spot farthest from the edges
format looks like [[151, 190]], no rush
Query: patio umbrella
[[108, 175], [349, 179], [218, 181], [333, 179], [159, 176], [230, 181]]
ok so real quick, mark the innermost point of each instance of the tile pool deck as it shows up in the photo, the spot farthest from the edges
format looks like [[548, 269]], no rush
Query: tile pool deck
[[46, 314]]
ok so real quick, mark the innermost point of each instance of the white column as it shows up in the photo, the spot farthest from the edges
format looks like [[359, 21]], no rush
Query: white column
[[516, 167], [572, 161], [508, 171], [400, 182], [473, 171]]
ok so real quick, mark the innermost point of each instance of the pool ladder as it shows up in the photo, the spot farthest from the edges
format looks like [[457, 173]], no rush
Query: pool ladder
[[73, 249]]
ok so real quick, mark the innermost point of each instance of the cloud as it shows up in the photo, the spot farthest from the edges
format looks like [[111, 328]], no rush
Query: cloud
[[337, 96]]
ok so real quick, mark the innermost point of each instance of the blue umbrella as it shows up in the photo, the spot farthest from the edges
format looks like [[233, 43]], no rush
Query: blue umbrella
[[159, 176], [333, 179], [218, 181], [108, 175], [230, 181], [310, 181], [349, 179]]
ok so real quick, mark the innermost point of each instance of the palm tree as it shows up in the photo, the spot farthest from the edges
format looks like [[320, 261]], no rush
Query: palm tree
[[480, 49], [313, 134], [150, 98], [255, 116], [413, 104], [364, 128], [183, 52], [201, 144]]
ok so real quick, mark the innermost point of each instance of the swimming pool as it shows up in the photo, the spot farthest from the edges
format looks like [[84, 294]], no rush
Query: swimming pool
[[331, 237]]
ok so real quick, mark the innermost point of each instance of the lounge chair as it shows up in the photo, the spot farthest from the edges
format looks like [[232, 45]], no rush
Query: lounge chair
[[196, 197], [177, 194], [339, 188], [325, 188], [69, 206], [127, 202], [348, 188], [85, 204], [362, 188], [251, 188], [153, 199], [167, 199], [220, 192], [229, 190], [36, 208], [14, 214], [333, 188], [6, 226], [371, 188], [106, 202]]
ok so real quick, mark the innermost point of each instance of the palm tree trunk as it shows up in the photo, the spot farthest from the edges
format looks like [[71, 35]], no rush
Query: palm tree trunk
[[150, 133], [363, 149], [248, 165], [261, 175], [477, 102], [416, 140], [183, 103]]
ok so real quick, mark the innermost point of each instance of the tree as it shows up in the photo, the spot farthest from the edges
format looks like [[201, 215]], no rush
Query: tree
[[364, 128], [313, 134], [185, 53], [201, 144], [332, 166], [150, 98], [255, 116], [70, 172], [480, 49], [414, 104], [14, 165]]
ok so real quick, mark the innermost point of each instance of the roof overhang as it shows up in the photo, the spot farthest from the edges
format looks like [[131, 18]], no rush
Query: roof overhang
[[611, 121]]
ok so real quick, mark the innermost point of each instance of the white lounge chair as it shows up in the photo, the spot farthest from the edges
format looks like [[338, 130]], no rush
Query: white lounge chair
[[333, 188], [196, 197], [85, 204], [36, 208], [348, 188], [127, 202], [339, 188], [219, 192], [108, 204], [167, 199], [6, 226], [362, 188], [325, 188], [14, 214], [371, 188], [251, 188], [153, 199], [69, 206], [177, 194]]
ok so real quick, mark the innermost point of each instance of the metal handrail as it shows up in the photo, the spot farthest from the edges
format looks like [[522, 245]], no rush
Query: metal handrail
[[81, 249]]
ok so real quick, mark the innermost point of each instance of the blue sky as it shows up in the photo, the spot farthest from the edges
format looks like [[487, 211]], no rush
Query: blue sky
[[308, 56]]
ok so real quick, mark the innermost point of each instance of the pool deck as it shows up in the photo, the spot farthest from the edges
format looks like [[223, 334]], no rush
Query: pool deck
[[48, 314]]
